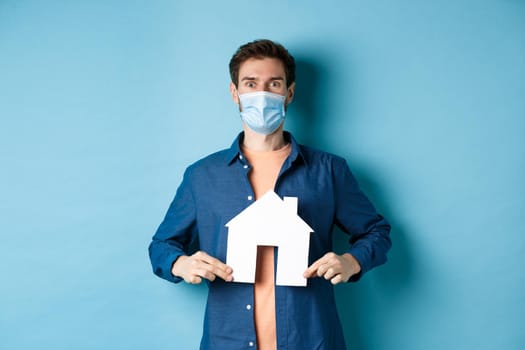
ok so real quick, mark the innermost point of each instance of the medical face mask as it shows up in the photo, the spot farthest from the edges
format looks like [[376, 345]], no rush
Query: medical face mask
[[262, 111]]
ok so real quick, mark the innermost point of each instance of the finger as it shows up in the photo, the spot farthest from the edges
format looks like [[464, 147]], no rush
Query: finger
[[193, 279], [326, 270], [337, 279], [210, 267], [330, 273], [225, 275], [219, 265], [205, 272], [333, 262], [312, 270]]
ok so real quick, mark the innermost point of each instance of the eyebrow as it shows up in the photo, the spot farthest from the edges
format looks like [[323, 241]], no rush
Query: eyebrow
[[253, 78]]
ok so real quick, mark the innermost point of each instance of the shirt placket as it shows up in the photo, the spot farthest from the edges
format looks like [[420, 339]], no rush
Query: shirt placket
[[280, 293], [250, 198]]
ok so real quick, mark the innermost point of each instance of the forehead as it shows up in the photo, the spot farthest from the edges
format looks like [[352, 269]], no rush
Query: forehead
[[262, 68]]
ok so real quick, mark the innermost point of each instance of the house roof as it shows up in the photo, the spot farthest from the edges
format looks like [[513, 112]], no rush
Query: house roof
[[270, 211]]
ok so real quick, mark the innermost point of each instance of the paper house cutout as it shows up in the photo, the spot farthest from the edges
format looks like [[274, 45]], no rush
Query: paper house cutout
[[269, 221]]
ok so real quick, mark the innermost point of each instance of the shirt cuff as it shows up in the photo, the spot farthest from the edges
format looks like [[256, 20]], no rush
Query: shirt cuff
[[166, 270], [360, 256]]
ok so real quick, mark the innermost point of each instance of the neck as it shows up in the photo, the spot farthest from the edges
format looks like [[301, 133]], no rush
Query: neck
[[258, 142]]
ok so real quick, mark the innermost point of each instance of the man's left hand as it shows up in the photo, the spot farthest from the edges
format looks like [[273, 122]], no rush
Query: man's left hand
[[333, 267]]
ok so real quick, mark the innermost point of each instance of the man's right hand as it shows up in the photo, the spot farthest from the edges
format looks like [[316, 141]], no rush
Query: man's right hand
[[200, 265]]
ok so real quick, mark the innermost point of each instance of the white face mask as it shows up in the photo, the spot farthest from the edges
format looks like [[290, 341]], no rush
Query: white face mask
[[262, 111]]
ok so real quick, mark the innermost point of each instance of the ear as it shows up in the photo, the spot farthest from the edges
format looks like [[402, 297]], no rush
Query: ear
[[233, 92], [291, 93]]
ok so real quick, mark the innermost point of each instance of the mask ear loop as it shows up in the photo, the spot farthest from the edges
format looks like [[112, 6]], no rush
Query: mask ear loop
[[285, 104], [239, 98]]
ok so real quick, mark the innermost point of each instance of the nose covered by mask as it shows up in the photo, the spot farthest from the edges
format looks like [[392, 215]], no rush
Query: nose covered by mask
[[262, 111]]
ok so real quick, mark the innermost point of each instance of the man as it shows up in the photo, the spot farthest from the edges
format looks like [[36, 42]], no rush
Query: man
[[217, 188]]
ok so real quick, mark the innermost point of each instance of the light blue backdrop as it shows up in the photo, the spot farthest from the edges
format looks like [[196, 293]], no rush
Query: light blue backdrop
[[104, 103]]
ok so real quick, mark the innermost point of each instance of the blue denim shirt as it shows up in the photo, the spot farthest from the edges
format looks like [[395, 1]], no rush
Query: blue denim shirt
[[216, 188]]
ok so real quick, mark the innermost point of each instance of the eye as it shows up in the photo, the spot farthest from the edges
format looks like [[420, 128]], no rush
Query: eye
[[250, 84], [275, 84]]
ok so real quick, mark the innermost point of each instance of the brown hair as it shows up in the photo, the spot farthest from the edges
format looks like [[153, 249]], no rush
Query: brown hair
[[260, 49]]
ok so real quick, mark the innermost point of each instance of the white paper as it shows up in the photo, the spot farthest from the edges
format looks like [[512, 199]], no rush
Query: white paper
[[269, 221]]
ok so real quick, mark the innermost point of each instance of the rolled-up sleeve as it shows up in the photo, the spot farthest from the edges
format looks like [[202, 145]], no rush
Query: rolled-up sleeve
[[176, 232], [355, 215]]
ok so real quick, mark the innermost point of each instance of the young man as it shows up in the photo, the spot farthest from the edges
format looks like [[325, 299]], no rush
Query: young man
[[217, 188]]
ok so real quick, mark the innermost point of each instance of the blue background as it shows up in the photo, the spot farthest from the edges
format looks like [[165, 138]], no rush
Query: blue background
[[104, 103]]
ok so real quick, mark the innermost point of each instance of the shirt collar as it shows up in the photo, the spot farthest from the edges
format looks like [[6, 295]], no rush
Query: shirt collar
[[235, 150]]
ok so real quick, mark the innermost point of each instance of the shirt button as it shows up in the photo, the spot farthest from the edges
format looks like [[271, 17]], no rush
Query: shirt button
[[240, 156], [245, 166], [250, 198], [251, 344], [248, 307]]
